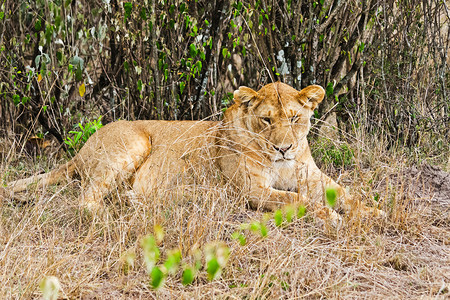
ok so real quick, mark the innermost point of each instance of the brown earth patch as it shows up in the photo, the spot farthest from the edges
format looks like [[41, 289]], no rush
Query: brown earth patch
[[425, 184]]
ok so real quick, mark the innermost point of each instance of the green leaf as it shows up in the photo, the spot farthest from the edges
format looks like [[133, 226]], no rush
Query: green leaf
[[182, 7], [361, 47], [182, 86], [278, 217], [289, 213], [329, 89], [171, 9], [188, 275], [210, 43], [78, 135], [38, 25], [331, 196], [150, 26], [160, 64], [301, 211], [69, 142], [193, 50], [157, 277], [143, 14], [78, 74], [16, 99], [202, 55], [255, 226], [48, 33], [59, 56], [172, 261], [225, 52], [216, 256], [321, 37], [151, 251], [376, 197], [240, 237], [199, 66], [263, 230], [213, 268], [127, 6]]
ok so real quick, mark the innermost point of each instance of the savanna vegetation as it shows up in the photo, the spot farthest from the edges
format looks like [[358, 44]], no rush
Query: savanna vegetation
[[70, 66]]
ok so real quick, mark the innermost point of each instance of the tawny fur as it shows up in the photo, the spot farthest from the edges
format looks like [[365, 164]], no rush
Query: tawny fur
[[259, 147]]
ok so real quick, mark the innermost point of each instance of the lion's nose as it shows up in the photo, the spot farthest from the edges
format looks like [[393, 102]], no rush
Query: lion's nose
[[282, 150]]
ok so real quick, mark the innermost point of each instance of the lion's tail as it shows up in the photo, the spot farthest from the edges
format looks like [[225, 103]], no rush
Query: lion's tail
[[58, 175]]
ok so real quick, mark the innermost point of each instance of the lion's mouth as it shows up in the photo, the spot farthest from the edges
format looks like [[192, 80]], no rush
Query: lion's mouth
[[283, 159]]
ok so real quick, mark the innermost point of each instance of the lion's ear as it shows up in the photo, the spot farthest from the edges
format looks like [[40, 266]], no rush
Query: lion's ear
[[311, 96], [245, 95]]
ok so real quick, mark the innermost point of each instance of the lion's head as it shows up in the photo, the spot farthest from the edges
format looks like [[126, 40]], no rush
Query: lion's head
[[276, 119]]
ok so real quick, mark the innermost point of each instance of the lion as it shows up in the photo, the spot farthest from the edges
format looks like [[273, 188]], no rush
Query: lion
[[259, 147]]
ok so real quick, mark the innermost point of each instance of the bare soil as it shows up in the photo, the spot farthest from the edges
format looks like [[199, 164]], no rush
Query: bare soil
[[426, 185]]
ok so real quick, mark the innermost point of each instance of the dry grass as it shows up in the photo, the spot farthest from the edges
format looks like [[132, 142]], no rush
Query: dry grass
[[405, 256]]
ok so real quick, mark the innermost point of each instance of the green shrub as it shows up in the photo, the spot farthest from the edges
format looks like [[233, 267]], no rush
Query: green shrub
[[329, 153], [79, 137]]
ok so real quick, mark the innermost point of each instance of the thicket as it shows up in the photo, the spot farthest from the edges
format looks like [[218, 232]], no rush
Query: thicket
[[384, 64]]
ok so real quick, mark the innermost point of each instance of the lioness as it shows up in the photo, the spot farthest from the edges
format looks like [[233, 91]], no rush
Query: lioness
[[260, 147]]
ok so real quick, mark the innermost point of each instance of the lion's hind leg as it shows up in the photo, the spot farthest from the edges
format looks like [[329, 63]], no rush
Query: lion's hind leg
[[110, 170]]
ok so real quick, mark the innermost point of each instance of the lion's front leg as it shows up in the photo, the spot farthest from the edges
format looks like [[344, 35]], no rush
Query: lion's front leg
[[313, 184], [350, 205], [271, 199]]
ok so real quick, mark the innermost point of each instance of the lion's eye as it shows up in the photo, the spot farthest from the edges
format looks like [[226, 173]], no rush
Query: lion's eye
[[267, 120]]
